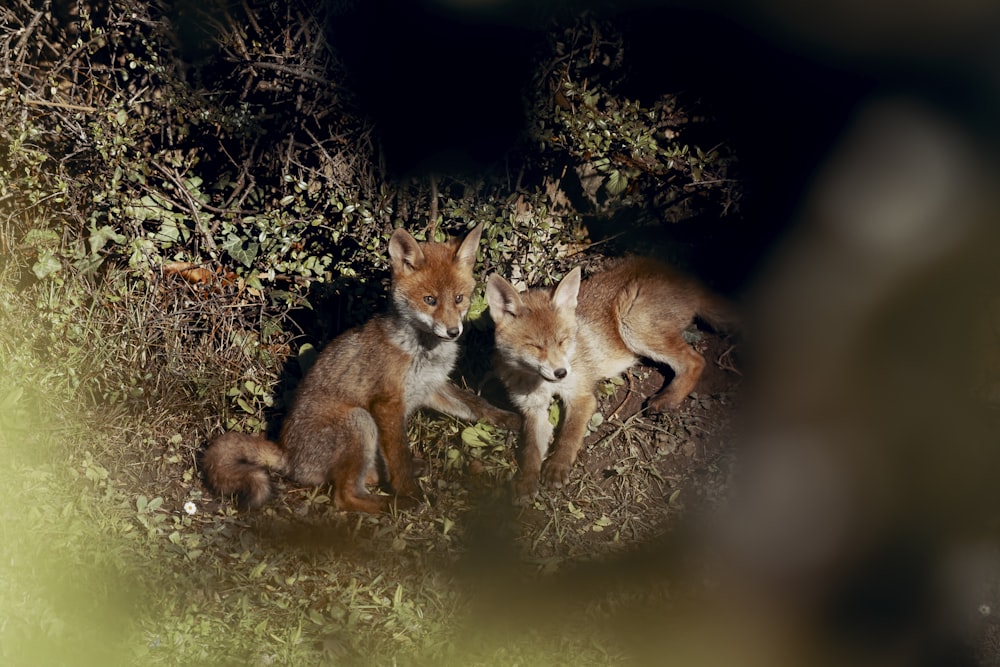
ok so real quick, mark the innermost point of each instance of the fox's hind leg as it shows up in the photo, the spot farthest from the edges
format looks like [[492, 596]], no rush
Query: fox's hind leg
[[652, 326], [354, 463], [687, 365]]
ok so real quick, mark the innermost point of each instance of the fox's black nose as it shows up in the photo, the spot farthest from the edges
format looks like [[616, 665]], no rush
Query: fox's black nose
[[453, 332], [559, 373]]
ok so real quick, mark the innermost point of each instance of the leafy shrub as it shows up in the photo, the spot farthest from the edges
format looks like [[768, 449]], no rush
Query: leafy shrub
[[195, 197], [626, 155]]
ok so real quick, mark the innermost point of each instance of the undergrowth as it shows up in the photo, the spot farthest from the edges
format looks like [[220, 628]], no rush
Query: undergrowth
[[97, 572], [178, 239]]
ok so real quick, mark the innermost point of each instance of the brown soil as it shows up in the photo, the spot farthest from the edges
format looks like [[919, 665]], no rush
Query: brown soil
[[638, 470]]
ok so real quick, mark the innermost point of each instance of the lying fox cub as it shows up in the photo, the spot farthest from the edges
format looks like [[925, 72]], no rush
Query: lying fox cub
[[563, 341], [353, 404]]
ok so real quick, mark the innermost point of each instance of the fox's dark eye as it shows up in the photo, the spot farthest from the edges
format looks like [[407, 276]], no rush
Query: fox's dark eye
[[458, 298], [430, 301]]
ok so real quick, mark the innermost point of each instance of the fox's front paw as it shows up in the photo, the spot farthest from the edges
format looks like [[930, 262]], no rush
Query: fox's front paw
[[555, 473], [525, 489]]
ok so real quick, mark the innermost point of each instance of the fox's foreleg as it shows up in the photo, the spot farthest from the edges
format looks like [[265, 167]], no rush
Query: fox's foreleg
[[535, 436], [465, 405], [567, 446]]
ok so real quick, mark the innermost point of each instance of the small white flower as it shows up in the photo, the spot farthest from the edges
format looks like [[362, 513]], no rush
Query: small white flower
[[190, 507], [984, 610]]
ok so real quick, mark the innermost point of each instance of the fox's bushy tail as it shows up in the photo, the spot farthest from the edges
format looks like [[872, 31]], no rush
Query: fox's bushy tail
[[240, 464], [720, 313]]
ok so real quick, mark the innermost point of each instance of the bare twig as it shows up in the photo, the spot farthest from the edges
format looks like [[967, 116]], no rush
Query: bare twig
[[725, 361], [293, 71], [193, 204], [432, 227], [594, 245], [61, 105], [22, 44]]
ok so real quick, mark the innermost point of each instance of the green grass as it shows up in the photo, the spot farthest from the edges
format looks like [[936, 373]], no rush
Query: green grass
[[100, 563]]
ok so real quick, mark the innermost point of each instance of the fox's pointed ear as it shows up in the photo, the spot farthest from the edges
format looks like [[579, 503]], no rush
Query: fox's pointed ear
[[502, 298], [567, 290], [466, 253], [405, 252]]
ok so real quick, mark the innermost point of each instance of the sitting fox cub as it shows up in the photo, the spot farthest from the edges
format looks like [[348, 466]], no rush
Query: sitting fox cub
[[352, 406], [564, 341]]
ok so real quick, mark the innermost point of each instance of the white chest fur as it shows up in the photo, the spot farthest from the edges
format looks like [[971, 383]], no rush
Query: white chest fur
[[431, 363]]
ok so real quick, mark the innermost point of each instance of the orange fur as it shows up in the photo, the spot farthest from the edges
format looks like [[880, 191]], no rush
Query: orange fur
[[351, 408], [563, 341]]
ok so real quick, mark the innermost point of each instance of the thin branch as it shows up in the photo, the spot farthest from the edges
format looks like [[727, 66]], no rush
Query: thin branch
[[432, 230], [61, 105], [594, 245], [193, 204], [22, 44], [293, 71]]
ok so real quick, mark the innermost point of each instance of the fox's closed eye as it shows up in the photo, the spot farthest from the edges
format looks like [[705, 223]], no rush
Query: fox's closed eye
[[430, 301]]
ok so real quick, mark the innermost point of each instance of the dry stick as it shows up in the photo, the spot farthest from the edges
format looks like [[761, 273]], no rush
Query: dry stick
[[250, 17], [202, 205], [61, 105], [293, 71], [628, 391], [594, 244], [318, 144], [22, 44], [193, 204], [434, 208], [725, 361], [625, 424]]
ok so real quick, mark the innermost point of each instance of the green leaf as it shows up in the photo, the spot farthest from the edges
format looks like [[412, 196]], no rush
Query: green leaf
[[554, 411], [616, 183], [100, 237], [46, 265], [307, 355], [168, 234], [477, 307], [595, 421], [244, 255], [475, 436]]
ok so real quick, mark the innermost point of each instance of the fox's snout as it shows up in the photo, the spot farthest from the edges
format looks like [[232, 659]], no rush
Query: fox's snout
[[553, 374], [446, 332]]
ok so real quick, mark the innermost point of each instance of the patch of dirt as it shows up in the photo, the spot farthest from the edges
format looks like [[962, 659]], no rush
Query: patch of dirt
[[638, 470]]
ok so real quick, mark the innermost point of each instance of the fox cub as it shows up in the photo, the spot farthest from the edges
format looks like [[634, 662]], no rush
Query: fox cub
[[563, 341], [349, 414]]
